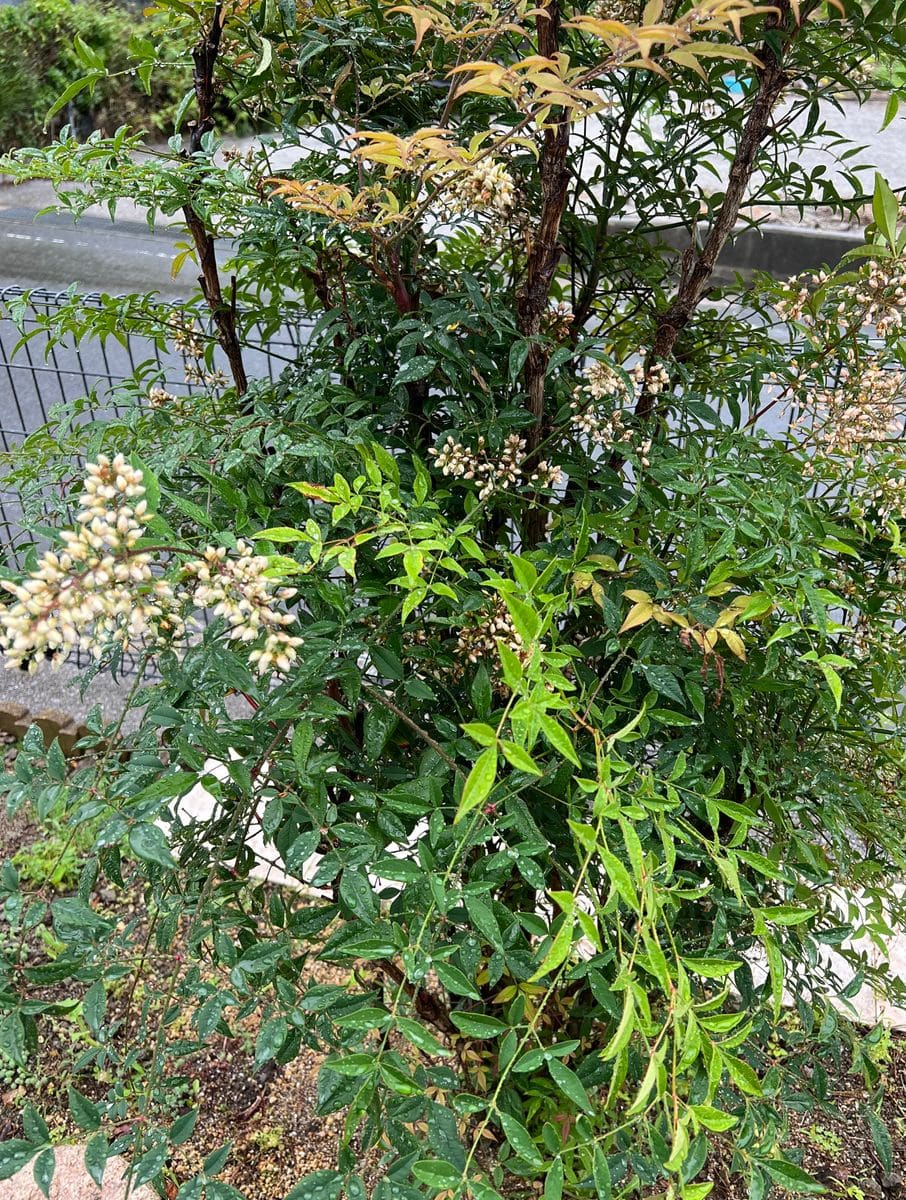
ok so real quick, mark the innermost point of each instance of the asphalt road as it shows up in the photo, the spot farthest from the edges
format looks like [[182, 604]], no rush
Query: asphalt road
[[884, 150], [124, 256], [96, 254]]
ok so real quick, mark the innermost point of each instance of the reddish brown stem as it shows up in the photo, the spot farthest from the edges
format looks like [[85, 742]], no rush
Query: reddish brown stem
[[222, 312]]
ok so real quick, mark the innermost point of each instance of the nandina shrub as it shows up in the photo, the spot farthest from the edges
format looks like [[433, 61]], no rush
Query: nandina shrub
[[562, 588]]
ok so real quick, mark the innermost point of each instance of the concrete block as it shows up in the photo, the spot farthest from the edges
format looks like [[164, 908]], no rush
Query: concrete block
[[72, 1182], [11, 715]]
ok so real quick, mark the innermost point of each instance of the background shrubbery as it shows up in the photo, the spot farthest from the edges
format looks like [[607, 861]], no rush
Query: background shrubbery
[[39, 59]]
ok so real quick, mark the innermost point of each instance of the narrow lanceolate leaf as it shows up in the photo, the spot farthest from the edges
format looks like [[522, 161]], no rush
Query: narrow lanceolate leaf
[[34, 1126], [12, 1038], [435, 1173], [520, 1139], [785, 914], [792, 1178], [559, 739], [679, 1149], [559, 951], [834, 683], [711, 968], [601, 1175], [775, 965], [734, 642], [14, 1155], [182, 1128], [85, 1112], [880, 1136], [519, 758], [271, 1037], [646, 1087], [96, 1154], [479, 783], [623, 1032], [43, 1170], [620, 879], [633, 848], [742, 1074], [148, 842], [478, 1025], [570, 1084], [415, 1033], [713, 1118], [73, 90], [638, 615], [282, 533], [885, 209], [553, 1183]]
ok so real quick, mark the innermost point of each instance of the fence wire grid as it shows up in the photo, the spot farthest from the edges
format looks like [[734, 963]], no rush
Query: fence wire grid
[[38, 376]]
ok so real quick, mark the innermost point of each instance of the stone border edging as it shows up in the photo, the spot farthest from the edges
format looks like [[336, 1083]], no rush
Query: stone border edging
[[16, 719]]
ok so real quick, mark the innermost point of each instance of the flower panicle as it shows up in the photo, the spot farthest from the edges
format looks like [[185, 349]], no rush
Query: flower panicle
[[493, 472], [102, 587]]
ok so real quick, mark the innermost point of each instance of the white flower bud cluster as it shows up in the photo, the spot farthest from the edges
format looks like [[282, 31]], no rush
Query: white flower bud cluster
[[854, 430], [159, 397], [887, 494], [238, 590], [161, 400], [877, 297], [792, 308], [235, 156], [654, 380], [868, 634], [558, 320], [476, 642], [102, 587], [881, 293], [96, 589], [608, 428], [546, 474], [601, 429], [186, 339], [492, 473], [602, 381], [199, 376], [861, 413], [485, 186]]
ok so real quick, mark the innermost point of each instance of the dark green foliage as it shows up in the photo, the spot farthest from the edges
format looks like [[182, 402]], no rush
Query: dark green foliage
[[596, 767]]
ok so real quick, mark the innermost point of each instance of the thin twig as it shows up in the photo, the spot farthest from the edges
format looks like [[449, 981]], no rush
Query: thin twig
[[378, 695]]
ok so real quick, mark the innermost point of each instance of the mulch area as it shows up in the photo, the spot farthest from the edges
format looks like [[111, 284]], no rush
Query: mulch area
[[267, 1115], [834, 1141]]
